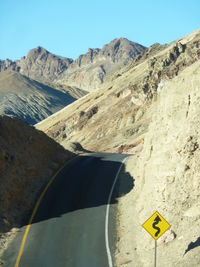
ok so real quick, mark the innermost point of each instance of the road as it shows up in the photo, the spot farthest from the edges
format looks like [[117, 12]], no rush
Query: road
[[74, 225]]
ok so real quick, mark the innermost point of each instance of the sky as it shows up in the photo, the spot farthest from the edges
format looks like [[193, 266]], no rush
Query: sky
[[69, 27]]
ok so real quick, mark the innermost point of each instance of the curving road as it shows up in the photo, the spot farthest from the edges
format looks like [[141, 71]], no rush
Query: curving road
[[74, 225]]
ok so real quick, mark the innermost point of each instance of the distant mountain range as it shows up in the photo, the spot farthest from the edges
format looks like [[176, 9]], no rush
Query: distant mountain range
[[42, 83], [87, 72]]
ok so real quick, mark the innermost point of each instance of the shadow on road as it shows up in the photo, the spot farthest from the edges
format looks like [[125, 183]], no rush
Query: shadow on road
[[84, 183], [73, 213]]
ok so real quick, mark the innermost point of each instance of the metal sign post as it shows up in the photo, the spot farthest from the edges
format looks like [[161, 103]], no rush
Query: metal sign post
[[155, 255]]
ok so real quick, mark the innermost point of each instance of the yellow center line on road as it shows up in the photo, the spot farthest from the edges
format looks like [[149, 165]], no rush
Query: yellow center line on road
[[35, 211]]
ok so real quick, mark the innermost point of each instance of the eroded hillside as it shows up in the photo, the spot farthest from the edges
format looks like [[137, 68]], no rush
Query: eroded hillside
[[28, 159], [167, 178]]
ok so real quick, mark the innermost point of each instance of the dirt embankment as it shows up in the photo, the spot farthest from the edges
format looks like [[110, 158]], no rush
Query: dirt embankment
[[28, 159], [167, 178]]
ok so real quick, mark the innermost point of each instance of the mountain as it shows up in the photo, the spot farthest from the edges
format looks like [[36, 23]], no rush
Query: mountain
[[39, 64], [91, 70], [88, 72], [43, 66], [149, 108], [29, 100]]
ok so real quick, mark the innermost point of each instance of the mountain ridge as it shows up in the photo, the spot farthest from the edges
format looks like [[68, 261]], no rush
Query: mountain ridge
[[87, 72]]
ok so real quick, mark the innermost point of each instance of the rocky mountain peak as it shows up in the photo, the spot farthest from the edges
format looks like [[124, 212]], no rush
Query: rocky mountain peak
[[36, 52], [121, 49], [90, 70], [41, 65]]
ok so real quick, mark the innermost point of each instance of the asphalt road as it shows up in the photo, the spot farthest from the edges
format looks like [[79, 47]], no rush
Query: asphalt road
[[74, 225]]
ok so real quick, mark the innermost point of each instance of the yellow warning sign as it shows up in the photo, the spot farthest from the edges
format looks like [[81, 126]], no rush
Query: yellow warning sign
[[156, 225]]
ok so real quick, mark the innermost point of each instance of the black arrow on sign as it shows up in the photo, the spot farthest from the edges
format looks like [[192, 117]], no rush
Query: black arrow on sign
[[156, 221]]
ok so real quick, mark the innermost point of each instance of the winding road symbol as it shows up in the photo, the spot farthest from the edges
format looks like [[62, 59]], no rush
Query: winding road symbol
[[156, 225]]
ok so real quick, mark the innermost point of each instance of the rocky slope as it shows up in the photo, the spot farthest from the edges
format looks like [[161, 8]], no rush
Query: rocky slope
[[29, 100], [167, 178], [86, 73], [28, 159]]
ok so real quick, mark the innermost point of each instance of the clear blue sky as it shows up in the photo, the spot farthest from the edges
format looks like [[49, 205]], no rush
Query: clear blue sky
[[70, 27]]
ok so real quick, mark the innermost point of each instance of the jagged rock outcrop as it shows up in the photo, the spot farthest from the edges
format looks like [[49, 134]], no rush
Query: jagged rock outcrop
[[9, 65]]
